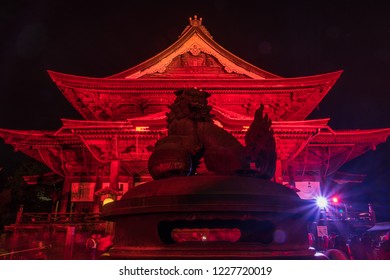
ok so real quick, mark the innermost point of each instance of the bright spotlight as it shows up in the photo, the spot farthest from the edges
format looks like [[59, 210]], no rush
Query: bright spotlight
[[321, 201], [335, 199]]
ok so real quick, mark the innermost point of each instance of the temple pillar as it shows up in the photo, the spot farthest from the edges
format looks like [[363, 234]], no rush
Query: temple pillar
[[65, 195], [278, 171], [291, 175], [69, 159], [99, 183], [114, 178], [324, 167], [131, 182], [323, 179], [114, 173]]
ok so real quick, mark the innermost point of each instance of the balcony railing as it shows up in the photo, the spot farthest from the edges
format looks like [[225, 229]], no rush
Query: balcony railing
[[48, 218]]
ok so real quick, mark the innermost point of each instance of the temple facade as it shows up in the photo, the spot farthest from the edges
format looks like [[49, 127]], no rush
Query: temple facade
[[106, 153]]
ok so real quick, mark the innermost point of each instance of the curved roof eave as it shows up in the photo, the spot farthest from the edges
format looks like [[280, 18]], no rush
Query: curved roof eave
[[92, 82]]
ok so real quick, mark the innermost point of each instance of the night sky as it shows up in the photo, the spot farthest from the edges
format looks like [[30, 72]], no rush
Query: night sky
[[288, 38]]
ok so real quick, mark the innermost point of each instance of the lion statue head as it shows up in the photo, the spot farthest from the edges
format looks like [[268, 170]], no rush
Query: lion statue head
[[191, 104]]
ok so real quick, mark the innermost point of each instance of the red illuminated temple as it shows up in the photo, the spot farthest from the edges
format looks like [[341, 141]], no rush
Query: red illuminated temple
[[124, 115]]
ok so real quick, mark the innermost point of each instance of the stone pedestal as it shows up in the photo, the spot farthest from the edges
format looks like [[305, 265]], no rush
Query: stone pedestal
[[210, 217]]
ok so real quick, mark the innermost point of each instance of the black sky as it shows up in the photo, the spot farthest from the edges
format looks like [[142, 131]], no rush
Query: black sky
[[288, 38]]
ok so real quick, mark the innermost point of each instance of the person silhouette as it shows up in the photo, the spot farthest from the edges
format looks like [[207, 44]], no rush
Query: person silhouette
[[91, 246]]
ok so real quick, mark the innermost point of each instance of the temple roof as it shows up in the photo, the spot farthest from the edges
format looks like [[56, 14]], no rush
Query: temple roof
[[328, 150], [120, 99], [310, 146], [195, 48], [195, 60]]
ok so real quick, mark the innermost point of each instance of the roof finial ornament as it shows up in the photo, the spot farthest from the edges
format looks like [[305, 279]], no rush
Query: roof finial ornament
[[195, 21]]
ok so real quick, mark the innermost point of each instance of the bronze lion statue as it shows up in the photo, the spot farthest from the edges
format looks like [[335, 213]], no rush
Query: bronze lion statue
[[193, 136]]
